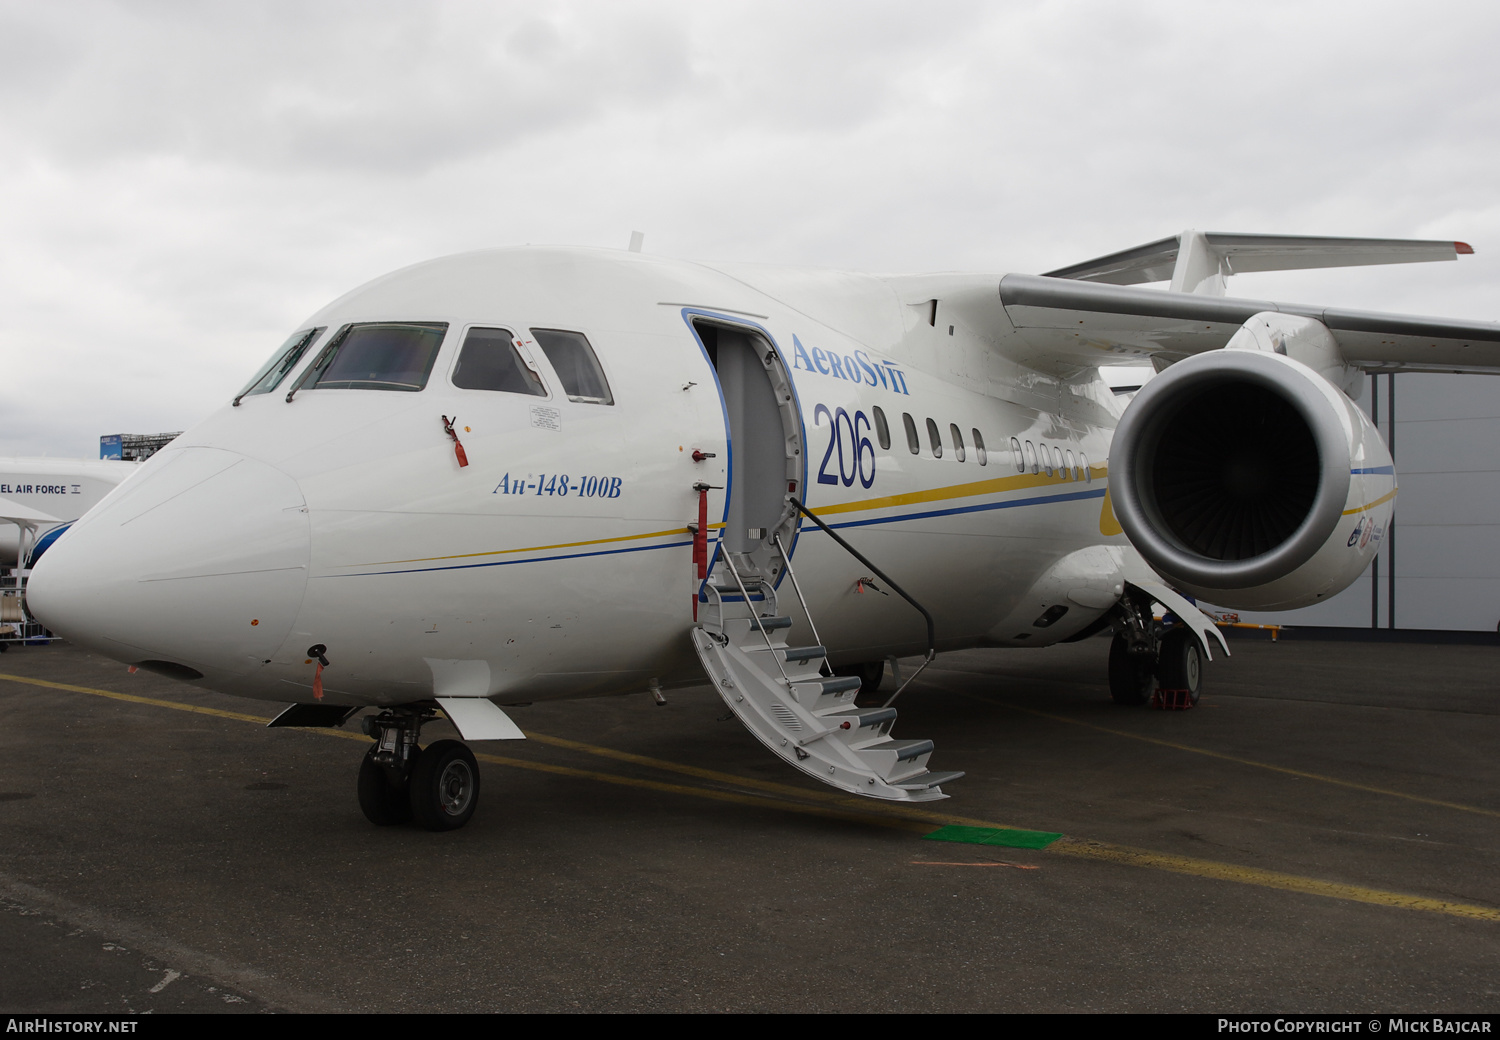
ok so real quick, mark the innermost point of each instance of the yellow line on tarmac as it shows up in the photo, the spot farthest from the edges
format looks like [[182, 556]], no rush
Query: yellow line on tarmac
[[754, 800], [1303, 774], [878, 814], [133, 699], [865, 805], [1205, 868]]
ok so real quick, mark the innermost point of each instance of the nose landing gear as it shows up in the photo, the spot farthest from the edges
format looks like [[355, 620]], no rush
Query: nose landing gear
[[399, 781]]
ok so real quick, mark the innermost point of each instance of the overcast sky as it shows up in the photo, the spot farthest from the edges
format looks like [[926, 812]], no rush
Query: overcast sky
[[181, 183]]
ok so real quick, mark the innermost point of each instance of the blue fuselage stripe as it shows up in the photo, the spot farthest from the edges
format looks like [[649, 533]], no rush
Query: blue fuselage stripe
[[511, 563], [1038, 500], [985, 507]]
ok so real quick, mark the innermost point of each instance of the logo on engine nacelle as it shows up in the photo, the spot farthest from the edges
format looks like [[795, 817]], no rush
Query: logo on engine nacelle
[[1364, 532]]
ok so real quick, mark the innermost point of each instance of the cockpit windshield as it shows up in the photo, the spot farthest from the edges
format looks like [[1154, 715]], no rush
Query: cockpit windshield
[[575, 364], [283, 361], [377, 356]]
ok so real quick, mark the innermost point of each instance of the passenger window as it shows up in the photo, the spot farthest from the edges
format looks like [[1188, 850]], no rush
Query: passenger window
[[1057, 461], [575, 364], [979, 452], [1088, 474], [490, 361], [911, 433], [1015, 451], [882, 431], [1030, 457], [377, 356], [935, 439], [1044, 455], [1072, 467], [283, 361], [958, 442]]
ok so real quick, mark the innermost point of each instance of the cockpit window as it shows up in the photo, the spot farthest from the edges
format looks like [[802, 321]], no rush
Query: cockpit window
[[283, 361], [575, 364], [377, 356], [490, 361]]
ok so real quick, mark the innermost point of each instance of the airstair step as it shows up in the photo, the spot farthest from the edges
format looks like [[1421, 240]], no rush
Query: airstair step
[[733, 589], [811, 692], [808, 719], [906, 750], [896, 761], [927, 781], [860, 718]]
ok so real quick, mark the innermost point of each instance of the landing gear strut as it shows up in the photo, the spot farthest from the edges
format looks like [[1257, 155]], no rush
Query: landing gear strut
[[1132, 653], [399, 781], [1144, 657]]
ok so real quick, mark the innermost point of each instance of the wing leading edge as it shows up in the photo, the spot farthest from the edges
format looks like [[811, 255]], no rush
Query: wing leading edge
[[1066, 322]]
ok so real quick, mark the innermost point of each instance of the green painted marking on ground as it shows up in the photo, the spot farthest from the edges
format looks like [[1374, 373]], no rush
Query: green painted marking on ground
[[1010, 837]]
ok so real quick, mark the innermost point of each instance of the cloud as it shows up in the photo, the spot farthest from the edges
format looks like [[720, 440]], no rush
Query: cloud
[[184, 182]]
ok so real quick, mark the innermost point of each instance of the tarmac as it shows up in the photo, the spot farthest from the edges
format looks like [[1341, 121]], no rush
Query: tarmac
[[1320, 834]]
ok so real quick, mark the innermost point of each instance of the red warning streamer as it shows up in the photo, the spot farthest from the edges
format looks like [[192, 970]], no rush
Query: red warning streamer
[[700, 536], [458, 448], [318, 682]]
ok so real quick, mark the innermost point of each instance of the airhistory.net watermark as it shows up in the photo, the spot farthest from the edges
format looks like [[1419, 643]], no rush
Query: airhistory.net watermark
[[38, 1024]]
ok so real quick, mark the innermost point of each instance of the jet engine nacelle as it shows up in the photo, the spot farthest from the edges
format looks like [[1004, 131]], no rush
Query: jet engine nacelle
[[1247, 478]]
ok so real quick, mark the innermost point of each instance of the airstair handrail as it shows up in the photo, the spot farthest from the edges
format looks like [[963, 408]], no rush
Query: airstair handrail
[[926, 614]]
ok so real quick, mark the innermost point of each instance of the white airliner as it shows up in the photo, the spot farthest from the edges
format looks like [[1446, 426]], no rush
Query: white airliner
[[544, 473]]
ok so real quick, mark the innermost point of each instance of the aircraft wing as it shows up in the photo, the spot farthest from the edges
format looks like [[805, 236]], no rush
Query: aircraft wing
[[15, 512], [1065, 323]]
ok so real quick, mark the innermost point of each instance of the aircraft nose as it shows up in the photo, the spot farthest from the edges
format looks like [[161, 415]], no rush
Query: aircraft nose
[[198, 563]]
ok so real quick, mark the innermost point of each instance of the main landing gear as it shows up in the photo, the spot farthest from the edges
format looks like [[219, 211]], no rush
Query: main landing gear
[[400, 781], [1145, 658]]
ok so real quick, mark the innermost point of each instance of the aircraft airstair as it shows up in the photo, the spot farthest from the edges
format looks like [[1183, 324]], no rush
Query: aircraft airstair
[[783, 696]]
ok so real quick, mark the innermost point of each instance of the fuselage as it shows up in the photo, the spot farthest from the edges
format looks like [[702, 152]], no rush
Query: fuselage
[[558, 562]]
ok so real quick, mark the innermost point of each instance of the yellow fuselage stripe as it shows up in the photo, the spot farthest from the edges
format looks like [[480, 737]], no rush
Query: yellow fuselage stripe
[[980, 487]]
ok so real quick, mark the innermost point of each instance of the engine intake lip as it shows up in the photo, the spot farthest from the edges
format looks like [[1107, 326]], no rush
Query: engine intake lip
[[1161, 401]]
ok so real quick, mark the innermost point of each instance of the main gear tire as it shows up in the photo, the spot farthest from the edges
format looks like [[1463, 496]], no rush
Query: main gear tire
[[1132, 678], [1180, 663]]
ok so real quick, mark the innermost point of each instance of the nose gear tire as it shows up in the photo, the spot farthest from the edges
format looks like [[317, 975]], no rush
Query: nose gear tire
[[444, 787], [383, 796]]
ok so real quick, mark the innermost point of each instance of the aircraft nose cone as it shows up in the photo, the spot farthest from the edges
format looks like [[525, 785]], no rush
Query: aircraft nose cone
[[198, 563]]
